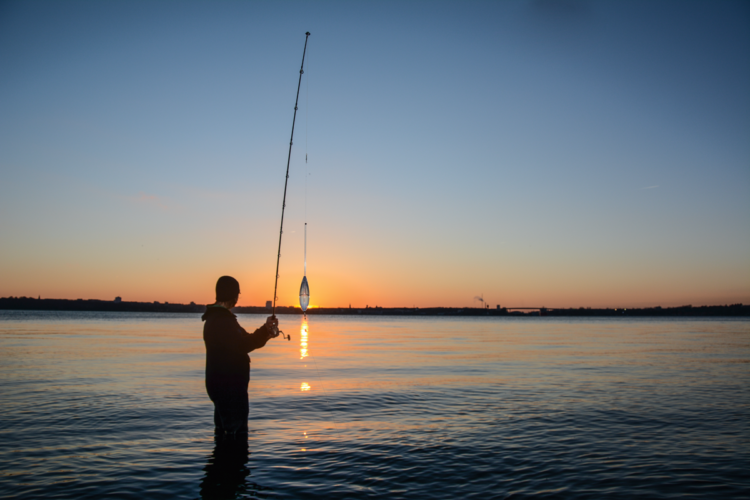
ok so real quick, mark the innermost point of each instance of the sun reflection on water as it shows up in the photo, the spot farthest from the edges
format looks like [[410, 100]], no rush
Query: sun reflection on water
[[303, 339], [303, 352]]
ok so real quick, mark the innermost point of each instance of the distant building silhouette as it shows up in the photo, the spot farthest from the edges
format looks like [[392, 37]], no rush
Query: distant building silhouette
[[268, 304], [118, 299]]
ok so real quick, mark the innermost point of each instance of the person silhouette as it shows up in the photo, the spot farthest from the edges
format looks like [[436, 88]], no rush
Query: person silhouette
[[227, 360]]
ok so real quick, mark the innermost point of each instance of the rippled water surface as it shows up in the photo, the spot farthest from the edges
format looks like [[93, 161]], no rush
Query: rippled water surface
[[108, 405]]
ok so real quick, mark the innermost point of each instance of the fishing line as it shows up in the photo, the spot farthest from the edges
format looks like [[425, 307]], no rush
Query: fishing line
[[307, 110], [307, 172], [286, 182], [304, 289]]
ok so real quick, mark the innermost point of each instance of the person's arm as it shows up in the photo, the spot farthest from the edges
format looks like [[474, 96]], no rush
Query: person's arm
[[257, 339]]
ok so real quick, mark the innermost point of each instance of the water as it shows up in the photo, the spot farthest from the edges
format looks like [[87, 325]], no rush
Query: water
[[108, 405]]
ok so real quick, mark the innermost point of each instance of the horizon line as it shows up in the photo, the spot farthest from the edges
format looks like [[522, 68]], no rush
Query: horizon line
[[499, 307]]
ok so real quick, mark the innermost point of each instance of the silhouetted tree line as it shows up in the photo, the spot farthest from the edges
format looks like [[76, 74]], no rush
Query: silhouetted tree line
[[39, 304], [30, 303]]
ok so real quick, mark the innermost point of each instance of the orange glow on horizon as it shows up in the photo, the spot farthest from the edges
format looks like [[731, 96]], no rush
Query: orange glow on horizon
[[339, 281]]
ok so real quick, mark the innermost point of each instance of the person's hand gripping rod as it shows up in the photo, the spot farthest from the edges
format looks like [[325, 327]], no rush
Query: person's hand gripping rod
[[272, 324]]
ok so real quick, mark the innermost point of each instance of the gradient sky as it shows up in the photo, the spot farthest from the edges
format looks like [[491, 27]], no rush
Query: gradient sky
[[542, 153]]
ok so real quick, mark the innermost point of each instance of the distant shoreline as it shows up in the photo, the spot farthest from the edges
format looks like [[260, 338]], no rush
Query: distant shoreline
[[94, 305]]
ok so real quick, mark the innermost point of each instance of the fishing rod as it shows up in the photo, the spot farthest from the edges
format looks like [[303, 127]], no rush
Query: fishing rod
[[286, 181]]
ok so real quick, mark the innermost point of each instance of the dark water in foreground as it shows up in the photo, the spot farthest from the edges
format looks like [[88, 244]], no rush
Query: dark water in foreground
[[108, 405]]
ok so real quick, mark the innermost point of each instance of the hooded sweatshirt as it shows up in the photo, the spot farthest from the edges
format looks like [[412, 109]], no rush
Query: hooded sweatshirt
[[227, 345]]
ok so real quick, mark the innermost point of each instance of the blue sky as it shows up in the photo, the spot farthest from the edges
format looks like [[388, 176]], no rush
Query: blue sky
[[542, 153]]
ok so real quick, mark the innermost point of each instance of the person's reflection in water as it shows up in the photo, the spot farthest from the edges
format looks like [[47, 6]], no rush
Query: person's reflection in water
[[227, 471]]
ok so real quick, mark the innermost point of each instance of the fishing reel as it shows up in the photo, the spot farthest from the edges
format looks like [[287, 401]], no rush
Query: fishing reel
[[283, 335]]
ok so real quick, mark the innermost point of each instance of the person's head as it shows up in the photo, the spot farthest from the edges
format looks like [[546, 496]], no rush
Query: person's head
[[227, 291]]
